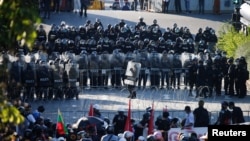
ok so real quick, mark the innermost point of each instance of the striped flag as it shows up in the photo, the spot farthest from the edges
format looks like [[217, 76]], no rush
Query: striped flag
[[60, 126]]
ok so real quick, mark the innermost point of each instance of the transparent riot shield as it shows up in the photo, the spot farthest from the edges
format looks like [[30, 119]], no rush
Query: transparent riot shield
[[155, 66], [105, 69], [58, 82], [117, 70], [177, 71], [73, 74], [166, 65], [93, 69], [186, 59], [82, 61], [143, 58], [44, 79]]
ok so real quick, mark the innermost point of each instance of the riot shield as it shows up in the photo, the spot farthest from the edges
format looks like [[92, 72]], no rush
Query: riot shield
[[93, 69], [105, 68], [155, 66], [177, 71], [143, 57], [82, 61], [73, 73], [29, 81], [58, 82], [166, 65], [117, 71], [44, 79]]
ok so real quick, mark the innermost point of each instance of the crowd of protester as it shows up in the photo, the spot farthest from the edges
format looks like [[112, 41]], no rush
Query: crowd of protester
[[37, 127]]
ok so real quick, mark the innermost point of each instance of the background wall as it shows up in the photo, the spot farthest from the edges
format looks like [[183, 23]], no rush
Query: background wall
[[226, 6]]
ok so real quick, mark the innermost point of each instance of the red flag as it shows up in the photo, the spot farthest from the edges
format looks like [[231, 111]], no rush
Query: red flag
[[91, 110], [151, 121], [60, 126], [128, 126]]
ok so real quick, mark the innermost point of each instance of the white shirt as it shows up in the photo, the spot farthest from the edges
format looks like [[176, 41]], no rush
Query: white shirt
[[189, 119]]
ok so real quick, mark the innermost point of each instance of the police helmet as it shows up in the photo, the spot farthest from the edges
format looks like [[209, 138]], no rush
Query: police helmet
[[230, 60], [99, 28], [177, 30], [200, 30], [123, 30], [155, 30], [155, 21], [175, 25], [201, 42], [140, 43], [168, 42], [161, 39], [140, 18], [146, 40]]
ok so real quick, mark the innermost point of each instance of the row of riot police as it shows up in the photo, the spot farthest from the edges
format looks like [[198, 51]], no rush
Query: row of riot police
[[33, 78], [57, 76], [95, 38]]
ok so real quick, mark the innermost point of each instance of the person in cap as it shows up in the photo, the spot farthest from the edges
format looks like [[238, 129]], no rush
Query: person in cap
[[188, 121], [225, 115], [97, 112], [237, 114], [201, 115], [119, 121]]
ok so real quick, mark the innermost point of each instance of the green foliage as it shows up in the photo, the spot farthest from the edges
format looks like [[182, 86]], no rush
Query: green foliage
[[9, 114], [17, 22], [244, 50], [230, 40]]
